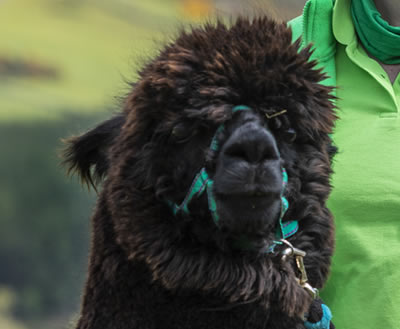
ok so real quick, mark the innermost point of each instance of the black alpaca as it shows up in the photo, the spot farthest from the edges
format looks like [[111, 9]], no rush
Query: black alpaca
[[246, 105]]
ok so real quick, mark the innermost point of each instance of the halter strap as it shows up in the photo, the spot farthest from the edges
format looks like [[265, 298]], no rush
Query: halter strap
[[202, 182]]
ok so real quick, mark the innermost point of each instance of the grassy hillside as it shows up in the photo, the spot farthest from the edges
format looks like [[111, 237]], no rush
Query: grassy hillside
[[90, 45]]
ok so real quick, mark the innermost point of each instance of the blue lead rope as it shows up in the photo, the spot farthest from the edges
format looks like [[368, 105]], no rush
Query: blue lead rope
[[202, 182]]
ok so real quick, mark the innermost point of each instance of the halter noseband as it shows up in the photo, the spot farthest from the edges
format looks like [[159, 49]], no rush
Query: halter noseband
[[202, 182]]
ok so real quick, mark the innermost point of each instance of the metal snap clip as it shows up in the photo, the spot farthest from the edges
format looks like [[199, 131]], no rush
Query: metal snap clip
[[298, 254]]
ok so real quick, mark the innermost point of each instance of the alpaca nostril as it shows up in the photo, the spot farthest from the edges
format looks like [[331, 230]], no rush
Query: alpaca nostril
[[238, 152], [253, 146]]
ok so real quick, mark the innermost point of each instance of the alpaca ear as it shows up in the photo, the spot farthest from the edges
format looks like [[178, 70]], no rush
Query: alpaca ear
[[87, 155]]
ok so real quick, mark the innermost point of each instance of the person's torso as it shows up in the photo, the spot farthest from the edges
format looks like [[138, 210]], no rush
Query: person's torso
[[363, 291]]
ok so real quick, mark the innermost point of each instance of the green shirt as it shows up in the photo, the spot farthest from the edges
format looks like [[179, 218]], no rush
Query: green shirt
[[364, 287]]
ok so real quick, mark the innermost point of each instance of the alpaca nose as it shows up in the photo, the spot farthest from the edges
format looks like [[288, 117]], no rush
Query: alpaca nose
[[252, 143]]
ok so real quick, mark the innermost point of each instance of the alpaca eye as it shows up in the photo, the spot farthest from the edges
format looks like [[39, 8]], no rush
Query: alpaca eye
[[290, 135], [181, 132]]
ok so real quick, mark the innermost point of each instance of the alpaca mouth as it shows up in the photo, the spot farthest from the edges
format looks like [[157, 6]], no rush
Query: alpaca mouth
[[252, 193], [250, 201], [251, 197]]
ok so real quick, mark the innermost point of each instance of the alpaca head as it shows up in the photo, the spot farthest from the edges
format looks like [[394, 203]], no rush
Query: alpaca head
[[245, 88]]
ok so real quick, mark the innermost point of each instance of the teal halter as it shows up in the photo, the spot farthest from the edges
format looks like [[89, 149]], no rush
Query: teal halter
[[202, 182]]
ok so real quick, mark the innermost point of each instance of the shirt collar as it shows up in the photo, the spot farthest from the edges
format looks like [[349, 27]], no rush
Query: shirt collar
[[342, 23]]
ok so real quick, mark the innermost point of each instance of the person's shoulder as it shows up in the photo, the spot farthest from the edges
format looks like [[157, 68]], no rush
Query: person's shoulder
[[315, 22], [314, 27]]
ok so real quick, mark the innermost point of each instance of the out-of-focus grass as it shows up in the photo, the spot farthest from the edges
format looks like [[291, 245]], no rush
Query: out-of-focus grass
[[92, 44]]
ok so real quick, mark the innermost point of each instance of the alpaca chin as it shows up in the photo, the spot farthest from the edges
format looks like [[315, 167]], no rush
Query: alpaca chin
[[254, 217]]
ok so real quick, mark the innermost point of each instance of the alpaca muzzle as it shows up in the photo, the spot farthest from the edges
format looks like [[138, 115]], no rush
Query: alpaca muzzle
[[202, 183], [248, 179]]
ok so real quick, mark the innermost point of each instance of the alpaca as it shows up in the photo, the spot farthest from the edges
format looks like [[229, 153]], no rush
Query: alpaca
[[221, 150]]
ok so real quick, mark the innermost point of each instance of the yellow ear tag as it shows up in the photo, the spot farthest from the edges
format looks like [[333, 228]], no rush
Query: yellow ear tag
[[270, 116]]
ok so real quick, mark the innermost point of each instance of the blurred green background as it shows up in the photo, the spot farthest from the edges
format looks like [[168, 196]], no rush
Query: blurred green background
[[64, 65]]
